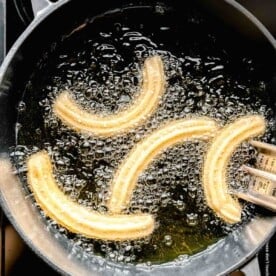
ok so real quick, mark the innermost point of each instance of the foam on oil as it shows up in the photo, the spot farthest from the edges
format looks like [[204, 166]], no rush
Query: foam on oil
[[101, 65]]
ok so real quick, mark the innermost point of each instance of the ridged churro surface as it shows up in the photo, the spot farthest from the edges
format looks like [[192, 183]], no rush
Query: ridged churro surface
[[215, 181], [143, 153], [151, 91], [75, 217]]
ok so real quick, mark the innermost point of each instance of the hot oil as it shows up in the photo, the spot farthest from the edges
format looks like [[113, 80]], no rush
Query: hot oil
[[101, 65]]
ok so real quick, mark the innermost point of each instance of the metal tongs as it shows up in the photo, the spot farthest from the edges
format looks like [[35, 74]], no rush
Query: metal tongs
[[262, 186]]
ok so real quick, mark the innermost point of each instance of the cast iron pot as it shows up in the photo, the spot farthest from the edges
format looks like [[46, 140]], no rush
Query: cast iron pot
[[51, 18]]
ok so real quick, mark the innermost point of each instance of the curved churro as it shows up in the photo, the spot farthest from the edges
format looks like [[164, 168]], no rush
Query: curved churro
[[144, 152], [216, 162], [77, 218], [152, 89]]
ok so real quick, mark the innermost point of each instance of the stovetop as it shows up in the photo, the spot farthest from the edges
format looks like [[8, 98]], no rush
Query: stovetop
[[15, 15]]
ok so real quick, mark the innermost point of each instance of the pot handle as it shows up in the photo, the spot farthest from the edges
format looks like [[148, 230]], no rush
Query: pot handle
[[39, 6]]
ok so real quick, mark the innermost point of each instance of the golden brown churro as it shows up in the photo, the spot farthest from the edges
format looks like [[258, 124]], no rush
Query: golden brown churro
[[77, 218], [144, 152], [152, 90], [216, 162]]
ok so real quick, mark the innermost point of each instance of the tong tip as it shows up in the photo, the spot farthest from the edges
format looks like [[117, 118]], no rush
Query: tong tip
[[259, 173], [264, 146]]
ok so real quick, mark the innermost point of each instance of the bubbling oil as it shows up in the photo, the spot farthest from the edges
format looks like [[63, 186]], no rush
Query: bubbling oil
[[102, 69]]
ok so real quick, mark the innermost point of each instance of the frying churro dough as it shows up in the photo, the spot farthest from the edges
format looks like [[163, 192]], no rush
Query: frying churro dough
[[143, 153], [75, 217], [152, 89], [217, 160]]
